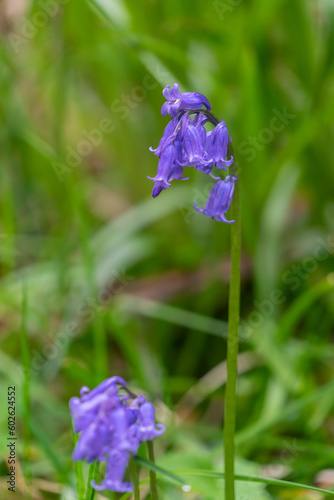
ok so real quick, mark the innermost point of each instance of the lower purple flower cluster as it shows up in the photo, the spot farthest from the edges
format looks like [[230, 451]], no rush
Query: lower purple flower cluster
[[186, 143], [112, 426]]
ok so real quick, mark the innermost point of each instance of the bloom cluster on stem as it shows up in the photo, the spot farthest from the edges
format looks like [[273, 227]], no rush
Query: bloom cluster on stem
[[186, 143], [112, 426]]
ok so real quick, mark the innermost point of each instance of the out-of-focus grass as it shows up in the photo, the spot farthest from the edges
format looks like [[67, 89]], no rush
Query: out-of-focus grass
[[118, 283]]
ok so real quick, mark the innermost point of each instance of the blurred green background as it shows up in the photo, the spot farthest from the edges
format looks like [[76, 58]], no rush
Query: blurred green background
[[99, 279]]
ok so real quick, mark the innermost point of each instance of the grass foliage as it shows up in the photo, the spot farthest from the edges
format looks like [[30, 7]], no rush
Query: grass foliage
[[98, 279]]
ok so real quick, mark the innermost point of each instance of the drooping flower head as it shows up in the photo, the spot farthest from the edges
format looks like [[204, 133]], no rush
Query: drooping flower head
[[186, 143], [112, 427]]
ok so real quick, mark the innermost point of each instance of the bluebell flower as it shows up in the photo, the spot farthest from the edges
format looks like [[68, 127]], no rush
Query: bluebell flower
[[168, 169], [114, 478], [165, 171], [85, 409], [217, 146], [170, 155], [220, 199], [124, 432], [186, 143], [92, 441], [167, 137], [146, 420], [182, 145], [112, 426], [85, 412], [107, 386], [186, 101], [193, 144]]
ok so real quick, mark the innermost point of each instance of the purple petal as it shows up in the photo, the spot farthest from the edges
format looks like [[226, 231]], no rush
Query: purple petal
[[167, 137], [116, 465], [146, 421], [158, 187], [175, 93], [91, 442], [108, 384], [120, 425], [187, 101], [165, 92], [219, 200], [193, 145]]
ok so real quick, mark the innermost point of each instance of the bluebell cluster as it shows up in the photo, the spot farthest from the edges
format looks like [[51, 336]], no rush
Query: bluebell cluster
[[112, 426], [186, 143]]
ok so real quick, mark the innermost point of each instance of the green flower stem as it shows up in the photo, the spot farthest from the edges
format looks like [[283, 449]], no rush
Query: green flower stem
[[92, 474], [233, 340], [153, 477], [134, 478], [233, 326], [79, 472]]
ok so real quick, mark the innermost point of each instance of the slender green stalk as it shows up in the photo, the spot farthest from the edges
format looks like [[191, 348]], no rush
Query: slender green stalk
[[233, 327], [134, 478], [232, 342], [79, 474], [92, 474], [153, 476]]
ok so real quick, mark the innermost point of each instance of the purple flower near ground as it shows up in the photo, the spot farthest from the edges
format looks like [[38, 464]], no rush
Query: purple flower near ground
[[90, 446], [108, 385], [219, 200], [186, 101], [114, 479], [85, 412], [112, 426], [124, 432]]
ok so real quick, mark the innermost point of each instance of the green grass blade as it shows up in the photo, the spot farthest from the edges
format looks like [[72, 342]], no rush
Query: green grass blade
[[301, 305], [173, 315], [129, 494], [275, 214], [47, 445], [254, 479], [159, 470], [252, 432]]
